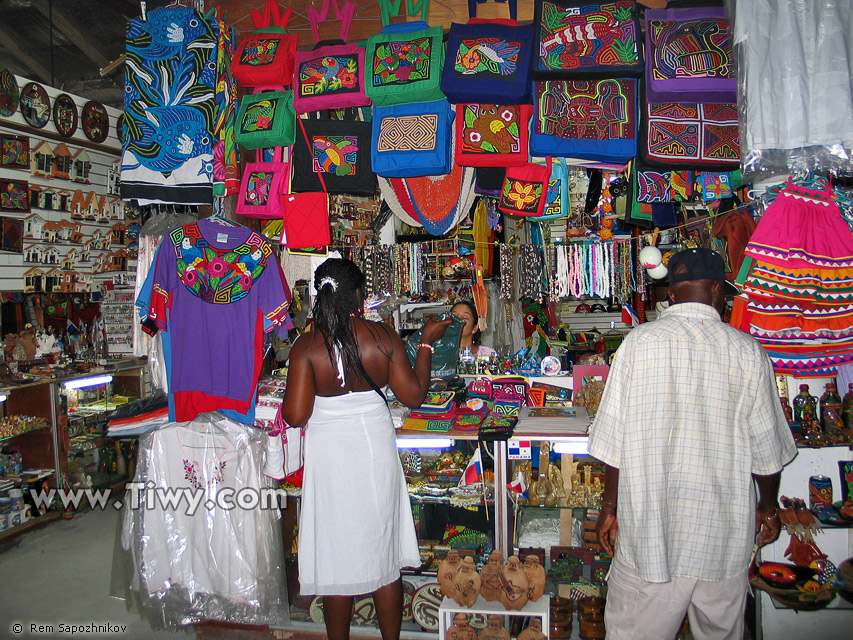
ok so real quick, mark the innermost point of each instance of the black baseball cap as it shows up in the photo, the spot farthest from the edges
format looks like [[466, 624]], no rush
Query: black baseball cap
[[702, 264]]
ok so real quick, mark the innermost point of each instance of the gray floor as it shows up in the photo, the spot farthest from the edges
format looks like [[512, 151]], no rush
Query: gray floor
[[60, 574]]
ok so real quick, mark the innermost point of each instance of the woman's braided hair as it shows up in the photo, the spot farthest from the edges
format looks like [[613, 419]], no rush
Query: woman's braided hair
[[337, 282]]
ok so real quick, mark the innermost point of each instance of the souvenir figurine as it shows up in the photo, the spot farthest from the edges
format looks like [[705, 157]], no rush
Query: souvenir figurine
[[535, 573], [494, 630], [466, 583], [490, 577], [513, 585], [447, 570], [461, 630], [533, 631]]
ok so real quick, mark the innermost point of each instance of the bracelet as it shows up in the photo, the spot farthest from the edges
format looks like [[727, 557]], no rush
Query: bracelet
[[424, 345], [608, 505], [769, 516]]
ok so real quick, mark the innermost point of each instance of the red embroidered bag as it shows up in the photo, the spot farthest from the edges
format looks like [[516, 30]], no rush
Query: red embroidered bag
[[265, 57], [306, 216], [525, 189]]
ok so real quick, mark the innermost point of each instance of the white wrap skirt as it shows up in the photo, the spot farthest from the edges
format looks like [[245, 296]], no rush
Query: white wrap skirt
[[355, 527]]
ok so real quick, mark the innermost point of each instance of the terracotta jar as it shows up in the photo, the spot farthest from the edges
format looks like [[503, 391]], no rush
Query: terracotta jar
[[592, 626], [590, 604]]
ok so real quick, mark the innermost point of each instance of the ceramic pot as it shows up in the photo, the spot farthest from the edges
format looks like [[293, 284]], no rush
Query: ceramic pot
[[592, 626]]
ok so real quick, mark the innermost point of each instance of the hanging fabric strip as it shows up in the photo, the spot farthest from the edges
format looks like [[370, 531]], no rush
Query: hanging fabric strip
[[345, 16]]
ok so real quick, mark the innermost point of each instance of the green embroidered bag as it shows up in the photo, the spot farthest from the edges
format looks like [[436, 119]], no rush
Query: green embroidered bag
[[266, 119]]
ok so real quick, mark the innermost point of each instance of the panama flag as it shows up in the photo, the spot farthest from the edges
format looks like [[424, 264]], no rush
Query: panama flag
[[519, 485], [474, 470]]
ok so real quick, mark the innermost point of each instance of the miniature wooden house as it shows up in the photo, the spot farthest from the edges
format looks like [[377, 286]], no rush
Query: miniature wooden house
[[50, 256], [50, 232], [103, 209], [92, 209], [61, 162], [52, 280], [78, 204], [33, 253], [33, 225], [41, 160], [69, 281], [119, 231], [117, 260], [33, 280], [81, 167]]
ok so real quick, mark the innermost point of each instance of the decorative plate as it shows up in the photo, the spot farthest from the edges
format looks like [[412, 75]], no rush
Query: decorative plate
[[65, 115], [425, 605], [315, 611], [96, 121], [9, 93], [35, 105], [364, 611], [121, 128]]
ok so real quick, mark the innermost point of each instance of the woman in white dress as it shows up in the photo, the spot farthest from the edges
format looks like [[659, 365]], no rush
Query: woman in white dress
[[355, 529]]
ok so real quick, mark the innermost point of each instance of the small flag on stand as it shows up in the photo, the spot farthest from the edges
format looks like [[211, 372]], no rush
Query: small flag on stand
[[519, 485], [474, 471], [629, 316]]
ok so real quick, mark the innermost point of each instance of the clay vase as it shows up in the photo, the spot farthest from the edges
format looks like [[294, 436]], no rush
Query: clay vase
[[495, 630], [447, 571], [461, 630], [513, 585], [466, 584], [533, 631], [490, 577], [535, 573]]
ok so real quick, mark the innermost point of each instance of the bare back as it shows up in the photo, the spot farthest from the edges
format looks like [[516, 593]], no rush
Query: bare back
[[383, 355]]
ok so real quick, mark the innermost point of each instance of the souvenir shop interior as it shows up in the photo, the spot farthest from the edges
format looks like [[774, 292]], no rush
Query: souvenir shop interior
[[525, 168]]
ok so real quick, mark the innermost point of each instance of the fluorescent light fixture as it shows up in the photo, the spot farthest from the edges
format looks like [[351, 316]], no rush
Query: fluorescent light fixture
[[87, 382], [2, 397], [577, 445], [424, 443]]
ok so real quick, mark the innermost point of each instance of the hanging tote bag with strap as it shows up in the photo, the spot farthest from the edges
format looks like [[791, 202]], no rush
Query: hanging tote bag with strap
[[689, 56], [578, 39], [525, 189], [331, 76], [492, 135], [488, 60], [266, 119], [337, 149], [306, 215], [404, 64], [261, 187], [265, 57], [587, 119], [412, 139]]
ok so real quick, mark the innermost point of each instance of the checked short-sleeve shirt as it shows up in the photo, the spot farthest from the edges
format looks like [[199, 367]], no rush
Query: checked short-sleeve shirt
[[690, 410]]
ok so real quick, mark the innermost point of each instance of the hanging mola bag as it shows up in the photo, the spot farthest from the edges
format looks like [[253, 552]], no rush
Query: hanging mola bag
[[331, 76], [337, 149], [404, 64], [266, 119], [261, 187], [488, 60], [577, 39], [525, 189], [412, 139], [587, 119], [265, 57], [492, 135]]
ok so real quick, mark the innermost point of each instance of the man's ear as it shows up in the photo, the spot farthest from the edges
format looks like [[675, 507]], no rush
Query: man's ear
[[670, 295]]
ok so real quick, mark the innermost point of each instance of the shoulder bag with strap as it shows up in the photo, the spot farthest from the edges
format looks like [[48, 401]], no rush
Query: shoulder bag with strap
[[306, 215]]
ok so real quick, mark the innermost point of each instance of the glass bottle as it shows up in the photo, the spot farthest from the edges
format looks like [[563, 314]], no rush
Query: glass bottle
[[847, 407], [466, 360], [786, 408], [830, 408], [805, 406]]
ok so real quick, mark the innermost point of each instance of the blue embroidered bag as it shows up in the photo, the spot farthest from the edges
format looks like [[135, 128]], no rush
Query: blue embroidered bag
[[587, 119], [488, 60], [411, 140]]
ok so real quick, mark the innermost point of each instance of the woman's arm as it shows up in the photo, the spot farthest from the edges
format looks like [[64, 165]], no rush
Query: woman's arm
[[298, 402], [410, 386]]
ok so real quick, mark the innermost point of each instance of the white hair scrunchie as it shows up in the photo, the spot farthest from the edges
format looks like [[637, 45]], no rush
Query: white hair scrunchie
[[328, 280]]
